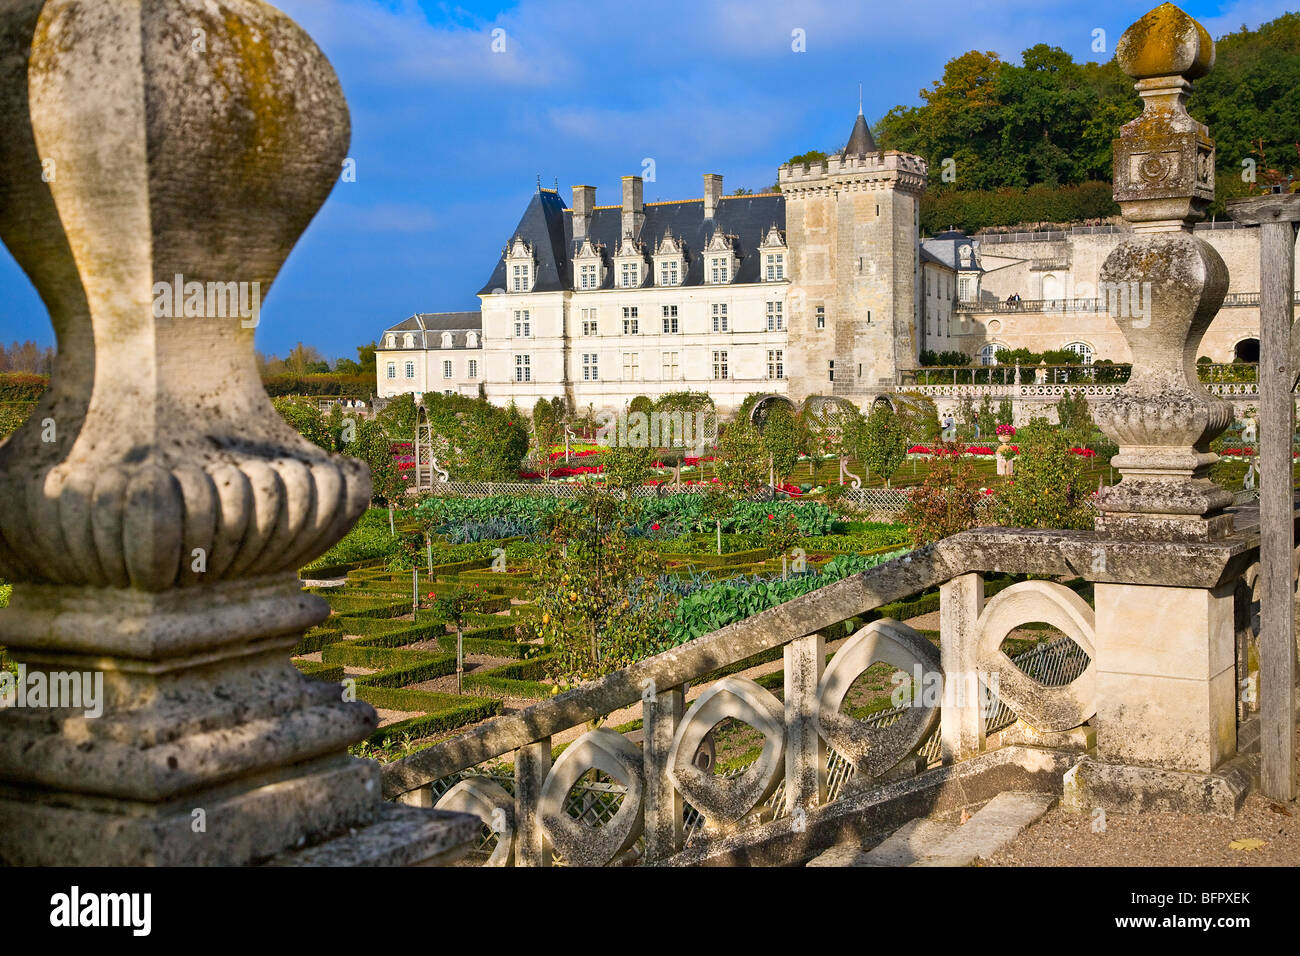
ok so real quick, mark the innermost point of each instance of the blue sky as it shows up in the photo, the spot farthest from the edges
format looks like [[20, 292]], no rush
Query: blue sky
[[449, 136]]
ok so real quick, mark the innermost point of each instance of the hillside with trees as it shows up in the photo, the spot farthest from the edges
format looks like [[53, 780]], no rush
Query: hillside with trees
[[1031, 142]]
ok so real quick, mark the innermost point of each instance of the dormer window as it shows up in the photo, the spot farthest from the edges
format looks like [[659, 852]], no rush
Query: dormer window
[[520, 266], [446, 340], [471, 341], [589, 266], [670, 261], [630, 264], [773, 250], [408, 340], [720, 259], [392, 341]]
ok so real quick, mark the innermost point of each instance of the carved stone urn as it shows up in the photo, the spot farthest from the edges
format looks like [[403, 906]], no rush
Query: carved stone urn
[[1163, 287], [158, 160]]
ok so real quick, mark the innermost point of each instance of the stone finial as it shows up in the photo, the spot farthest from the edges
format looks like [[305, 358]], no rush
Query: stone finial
[[1163, 289], [157, 506], [1164, 159], [1165, 42]]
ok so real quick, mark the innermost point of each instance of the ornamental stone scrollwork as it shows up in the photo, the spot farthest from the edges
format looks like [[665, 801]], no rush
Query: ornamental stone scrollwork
[[614, 755], [875, 750], [1046, 709], [491, 804], [725, 801]]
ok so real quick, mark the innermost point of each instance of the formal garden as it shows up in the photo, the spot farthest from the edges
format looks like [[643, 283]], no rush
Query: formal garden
[[451, 608]]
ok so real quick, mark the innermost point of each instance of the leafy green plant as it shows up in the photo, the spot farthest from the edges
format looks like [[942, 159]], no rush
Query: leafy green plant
[[947, 500], [1048, 490], [886, 442]]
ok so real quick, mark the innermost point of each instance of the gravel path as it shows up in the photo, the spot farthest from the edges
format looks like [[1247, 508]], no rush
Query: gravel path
[[1160, 839]]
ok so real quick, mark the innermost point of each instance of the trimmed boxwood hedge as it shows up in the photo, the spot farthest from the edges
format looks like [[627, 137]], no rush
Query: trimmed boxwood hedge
[[318, 670], [471, 711]]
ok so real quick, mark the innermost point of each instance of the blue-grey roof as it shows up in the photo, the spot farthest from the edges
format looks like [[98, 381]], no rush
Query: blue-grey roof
[[945, 249], [547, 225], [429, 327]]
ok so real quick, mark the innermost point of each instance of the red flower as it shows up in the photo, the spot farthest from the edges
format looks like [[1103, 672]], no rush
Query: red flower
[[655, 526], [432, 596], [771, 517]]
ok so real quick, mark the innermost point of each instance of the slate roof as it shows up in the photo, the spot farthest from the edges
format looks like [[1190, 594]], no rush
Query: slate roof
[[429, 327], [547, 225], [861, 141], [944, 248]]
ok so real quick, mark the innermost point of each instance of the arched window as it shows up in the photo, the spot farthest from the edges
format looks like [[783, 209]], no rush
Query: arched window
[[471, 341], [1081, 349], [392, 341], [408, 341], [1247, 350], [446, 340], [989, 354]]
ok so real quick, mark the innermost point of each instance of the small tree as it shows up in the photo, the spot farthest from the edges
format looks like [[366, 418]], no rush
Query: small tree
[[947, 501], [886, 442], [783, 439], [1075, 416], [1049, 490], [627, 467], [741, 459]]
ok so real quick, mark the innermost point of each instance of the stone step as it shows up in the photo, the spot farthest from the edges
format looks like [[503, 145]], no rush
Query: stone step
[[927, 842], [903, 847], [995, 825]]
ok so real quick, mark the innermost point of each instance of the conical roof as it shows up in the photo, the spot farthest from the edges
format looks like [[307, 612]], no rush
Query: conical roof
[[860, 140]]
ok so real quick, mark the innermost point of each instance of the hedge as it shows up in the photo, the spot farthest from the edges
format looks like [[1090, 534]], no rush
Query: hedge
[[318, 670], [315, 639], [322, 383], [473, 710], [22, 386]]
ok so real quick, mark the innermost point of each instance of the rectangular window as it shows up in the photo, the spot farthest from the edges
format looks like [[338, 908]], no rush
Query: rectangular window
[[631, 275], [631, 325], [523, 368], [631, 366], [670, 366], [587, 277], [775, 264], [446, 368], [668, 272], [719, 317], [410, 370], [670, 319], [719, 269], [590, 369], [821, 316], [720, 365], [830, 376], [520, 276], [523, 327], [473, 368], [589, 322], [775, 316], [775, 363], [392, 370]]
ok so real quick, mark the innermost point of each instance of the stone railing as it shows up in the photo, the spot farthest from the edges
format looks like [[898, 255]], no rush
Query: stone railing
[[1185, 591], [1232, 300]]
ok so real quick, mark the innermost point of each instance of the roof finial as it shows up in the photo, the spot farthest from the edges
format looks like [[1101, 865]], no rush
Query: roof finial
[[859, 99]]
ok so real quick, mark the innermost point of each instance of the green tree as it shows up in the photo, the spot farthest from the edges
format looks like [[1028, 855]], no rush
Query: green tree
[[741, 459], [1049, 489], [783, 439], [886, 441]]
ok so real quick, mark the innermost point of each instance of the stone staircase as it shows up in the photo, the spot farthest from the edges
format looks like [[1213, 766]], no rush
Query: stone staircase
[[928, 842]]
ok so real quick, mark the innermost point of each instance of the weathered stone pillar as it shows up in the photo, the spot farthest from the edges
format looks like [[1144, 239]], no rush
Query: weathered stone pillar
[[1165, 665], [961, 728], [156, 505], [805, 751]]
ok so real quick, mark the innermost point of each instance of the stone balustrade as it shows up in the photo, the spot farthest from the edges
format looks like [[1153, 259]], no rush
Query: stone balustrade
[[1177, 723]]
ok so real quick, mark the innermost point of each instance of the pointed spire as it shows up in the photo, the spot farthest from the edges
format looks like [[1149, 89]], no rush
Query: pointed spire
[[860, 140]]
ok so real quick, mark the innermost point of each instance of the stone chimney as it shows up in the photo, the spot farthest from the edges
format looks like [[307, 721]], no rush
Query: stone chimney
[[712, 193], [584, 201], [633, 206]]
